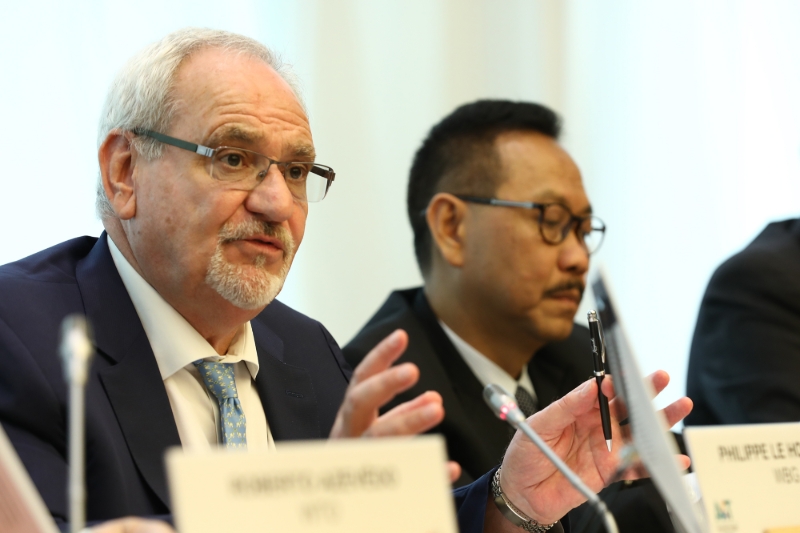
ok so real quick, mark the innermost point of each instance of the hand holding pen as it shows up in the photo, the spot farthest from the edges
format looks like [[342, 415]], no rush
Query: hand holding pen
[[599, 359]]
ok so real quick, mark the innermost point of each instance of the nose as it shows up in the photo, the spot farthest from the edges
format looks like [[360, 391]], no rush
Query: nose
[[574, 257], [271, 199]]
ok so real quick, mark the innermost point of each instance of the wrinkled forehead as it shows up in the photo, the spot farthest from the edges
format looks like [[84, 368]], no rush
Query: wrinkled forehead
[[235, 96]]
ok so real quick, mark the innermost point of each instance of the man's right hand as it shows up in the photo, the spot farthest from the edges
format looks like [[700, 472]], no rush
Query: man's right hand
[[572, 428]]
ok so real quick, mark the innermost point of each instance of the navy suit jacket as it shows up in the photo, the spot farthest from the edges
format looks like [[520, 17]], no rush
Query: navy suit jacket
[[129, 422]]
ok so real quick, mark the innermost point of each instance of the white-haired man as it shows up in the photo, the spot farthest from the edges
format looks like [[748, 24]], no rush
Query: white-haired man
[[207, 167]]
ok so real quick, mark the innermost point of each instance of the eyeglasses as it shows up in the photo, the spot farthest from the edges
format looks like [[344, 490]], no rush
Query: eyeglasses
[[307, 181], [555, 221]]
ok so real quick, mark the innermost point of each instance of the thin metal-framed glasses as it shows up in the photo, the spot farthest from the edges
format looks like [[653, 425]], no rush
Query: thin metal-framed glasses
[[307, 181], [556, 221]]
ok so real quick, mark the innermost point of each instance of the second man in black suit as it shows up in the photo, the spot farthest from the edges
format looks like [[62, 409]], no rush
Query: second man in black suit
[[503, 230]]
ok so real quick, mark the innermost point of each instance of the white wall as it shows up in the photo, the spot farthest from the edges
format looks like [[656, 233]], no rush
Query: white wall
[[682, 115], [685, 119]]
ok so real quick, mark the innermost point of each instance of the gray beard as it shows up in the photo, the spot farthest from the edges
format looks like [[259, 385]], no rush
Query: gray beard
[[249, 286]]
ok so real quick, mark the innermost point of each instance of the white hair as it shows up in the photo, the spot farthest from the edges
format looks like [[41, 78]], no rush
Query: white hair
[[141, 94]]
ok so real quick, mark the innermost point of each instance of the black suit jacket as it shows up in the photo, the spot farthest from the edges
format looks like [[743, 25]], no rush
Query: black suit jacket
[[476, 439], [129, 422], [744, 365]]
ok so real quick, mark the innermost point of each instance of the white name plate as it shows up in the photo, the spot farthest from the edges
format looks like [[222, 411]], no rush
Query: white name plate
[[352, 486], [749, 476]]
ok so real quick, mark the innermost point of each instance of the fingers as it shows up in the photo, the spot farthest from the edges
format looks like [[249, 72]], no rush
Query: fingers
[[382, 356], [133, 525], [364, 398], [410, 418], [453, 471], [658, 381], [677, 410], [374, 383]]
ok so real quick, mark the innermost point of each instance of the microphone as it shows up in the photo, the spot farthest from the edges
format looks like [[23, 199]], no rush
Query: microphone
[[505, 407], [76, 352]]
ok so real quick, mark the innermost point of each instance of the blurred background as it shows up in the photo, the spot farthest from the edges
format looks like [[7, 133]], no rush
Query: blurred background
[[684, 117]]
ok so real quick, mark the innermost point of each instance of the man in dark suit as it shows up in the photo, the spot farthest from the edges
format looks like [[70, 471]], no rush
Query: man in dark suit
[[503, 231], [196, 245], [476, 438], [744, 365], [501, 281]]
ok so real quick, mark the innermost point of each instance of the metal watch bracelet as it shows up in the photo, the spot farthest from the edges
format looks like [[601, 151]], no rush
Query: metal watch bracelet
[[512, 513]]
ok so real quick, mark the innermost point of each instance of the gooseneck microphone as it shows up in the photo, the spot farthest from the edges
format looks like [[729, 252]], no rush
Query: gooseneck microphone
[[76, 352], [505, 407]]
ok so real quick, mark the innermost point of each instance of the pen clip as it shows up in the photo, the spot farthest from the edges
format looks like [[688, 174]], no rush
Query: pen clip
[[602, 340]]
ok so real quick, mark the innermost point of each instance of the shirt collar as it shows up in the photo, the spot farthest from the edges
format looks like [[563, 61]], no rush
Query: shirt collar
[[174, 341], [486, 370]]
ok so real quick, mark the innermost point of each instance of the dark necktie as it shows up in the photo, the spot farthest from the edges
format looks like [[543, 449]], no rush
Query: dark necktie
[[525, 401]]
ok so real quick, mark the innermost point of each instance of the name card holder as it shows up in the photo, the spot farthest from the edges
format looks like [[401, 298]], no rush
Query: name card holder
[[749, 476], [349, 486]]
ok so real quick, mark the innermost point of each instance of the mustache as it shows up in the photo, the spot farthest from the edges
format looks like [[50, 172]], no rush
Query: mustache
[[253, 228], [574, 284]]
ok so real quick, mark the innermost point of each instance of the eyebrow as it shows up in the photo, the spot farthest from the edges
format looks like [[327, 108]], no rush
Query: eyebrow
[[550, 196], [234, 132], [251, 138], [303, 150]]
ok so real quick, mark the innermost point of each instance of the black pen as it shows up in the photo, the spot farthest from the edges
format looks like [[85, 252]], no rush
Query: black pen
[[599, 358]]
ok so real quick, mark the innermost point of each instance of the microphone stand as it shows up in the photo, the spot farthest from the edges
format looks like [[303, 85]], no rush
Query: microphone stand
[[505, 407], [76, 352]]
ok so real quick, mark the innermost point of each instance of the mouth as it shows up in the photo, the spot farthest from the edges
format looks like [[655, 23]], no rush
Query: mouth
[[567, 296], [272, 243], [570, 292]]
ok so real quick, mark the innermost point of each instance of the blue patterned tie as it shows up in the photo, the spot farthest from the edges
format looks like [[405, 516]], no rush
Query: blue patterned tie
[[219, 380]]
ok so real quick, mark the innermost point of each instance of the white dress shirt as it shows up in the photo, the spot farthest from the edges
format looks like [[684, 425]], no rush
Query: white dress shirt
[[486, 370], [176, 345]]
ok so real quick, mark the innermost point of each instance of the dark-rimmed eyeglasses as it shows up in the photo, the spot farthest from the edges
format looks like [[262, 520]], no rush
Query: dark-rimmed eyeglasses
[[556, 221], [307, 181]]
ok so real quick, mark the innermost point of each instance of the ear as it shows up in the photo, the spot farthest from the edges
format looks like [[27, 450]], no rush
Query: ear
[[446, 221], [117, 162]]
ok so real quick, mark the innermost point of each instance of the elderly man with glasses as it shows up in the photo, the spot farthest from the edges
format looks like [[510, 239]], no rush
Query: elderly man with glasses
[[207, 171]]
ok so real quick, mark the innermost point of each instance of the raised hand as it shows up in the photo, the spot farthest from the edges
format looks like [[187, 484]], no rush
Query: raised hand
[[572, 428], [375, 382]]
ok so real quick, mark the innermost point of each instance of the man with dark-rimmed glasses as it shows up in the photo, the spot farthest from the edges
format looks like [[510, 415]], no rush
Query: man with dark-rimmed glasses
[[503, 232]]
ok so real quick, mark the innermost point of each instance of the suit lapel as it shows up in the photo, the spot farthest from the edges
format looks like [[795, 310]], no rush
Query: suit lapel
[[132, 383], [286, 392], [487, 432]]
